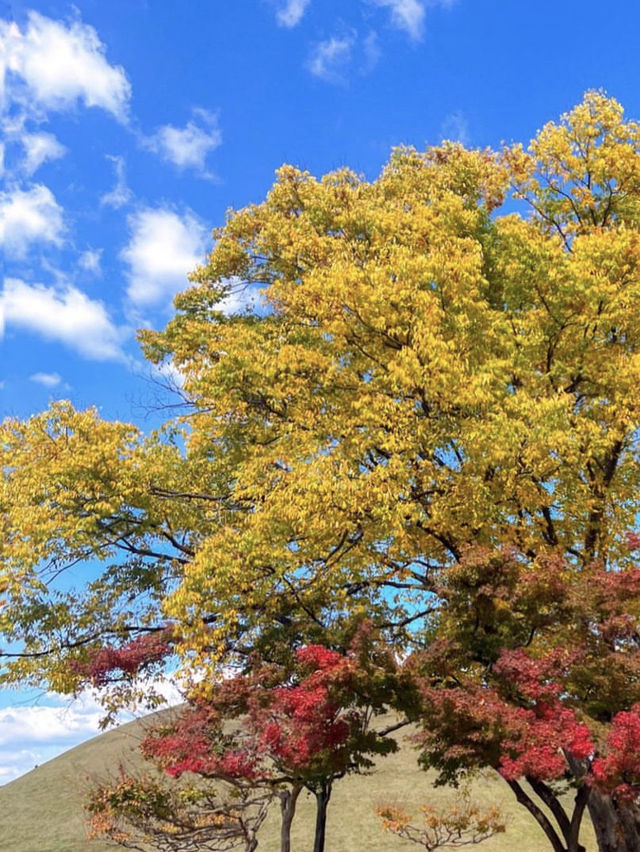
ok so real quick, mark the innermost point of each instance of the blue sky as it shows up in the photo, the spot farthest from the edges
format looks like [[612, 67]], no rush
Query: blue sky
[[130, 126]]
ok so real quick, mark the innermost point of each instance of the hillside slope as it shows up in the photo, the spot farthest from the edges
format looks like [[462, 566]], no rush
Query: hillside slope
[[42, 811]]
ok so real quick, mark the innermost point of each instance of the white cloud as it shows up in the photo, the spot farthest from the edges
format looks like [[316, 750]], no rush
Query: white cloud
[[31, 735], [30, 725], [164, 247], [90, 260], [51, 65], [290, 12], [29, 216], [407, 15], [49, 380], [329, 59], [240, 297], [38, 148], [168, 375], [62, 314], [15, 762], [189, 146], [120, 194]]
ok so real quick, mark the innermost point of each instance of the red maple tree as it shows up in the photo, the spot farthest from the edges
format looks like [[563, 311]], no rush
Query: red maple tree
[[535, 674], [285, 727]]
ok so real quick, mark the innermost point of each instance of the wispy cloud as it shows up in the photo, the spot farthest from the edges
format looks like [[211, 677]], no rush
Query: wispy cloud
[[407, 15], [289, 13], [120, 194], [51, 65], [61, 314], [29, 216], [330, 59], [372, 52], [38, 148], [163, 248], [49, 380], [187, 147], [32, 735], [455, 127], [90, 261]]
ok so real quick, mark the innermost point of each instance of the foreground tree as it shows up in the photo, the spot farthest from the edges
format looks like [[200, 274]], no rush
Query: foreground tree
[[423, 374], [529, 675], [273, 730], [150, 815]]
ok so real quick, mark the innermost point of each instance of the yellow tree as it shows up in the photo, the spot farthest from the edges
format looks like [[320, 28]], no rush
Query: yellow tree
[[424, 371]]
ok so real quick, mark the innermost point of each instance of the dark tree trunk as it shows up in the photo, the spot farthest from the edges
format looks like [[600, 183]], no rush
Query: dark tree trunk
[[288, 801], [322, 800], [568, 824], [580, 803], [554, 838], [616, 824]]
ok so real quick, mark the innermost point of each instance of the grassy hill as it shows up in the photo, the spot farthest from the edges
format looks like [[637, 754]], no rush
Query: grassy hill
[[42, 811]]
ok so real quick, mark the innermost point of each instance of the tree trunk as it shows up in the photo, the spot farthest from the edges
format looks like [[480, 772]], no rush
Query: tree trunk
[[616, 824], [322, 800], [568, 824], [288, 800], [539, 815]]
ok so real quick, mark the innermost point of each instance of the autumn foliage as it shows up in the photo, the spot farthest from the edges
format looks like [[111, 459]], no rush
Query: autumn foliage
[[431, 422], [276, 728], [146, 813], [110, 663], [463, 824], [532, 675]]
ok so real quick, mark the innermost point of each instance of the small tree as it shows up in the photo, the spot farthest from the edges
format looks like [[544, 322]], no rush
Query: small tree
[[290, 727], [460, 825], [148, 814]]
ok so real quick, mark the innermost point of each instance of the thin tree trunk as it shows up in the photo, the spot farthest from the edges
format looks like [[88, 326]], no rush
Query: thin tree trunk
[[551, 801], [616, 824], [288, 801], [322, 800], [538, 814], [569, 827]]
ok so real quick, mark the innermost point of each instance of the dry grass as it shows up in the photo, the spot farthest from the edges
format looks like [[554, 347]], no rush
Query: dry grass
[[42, 811]]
